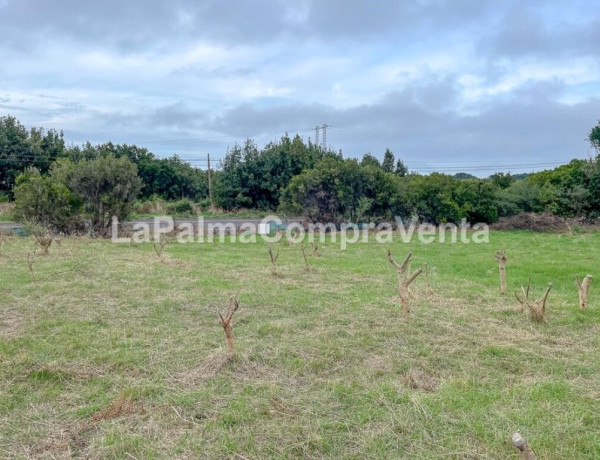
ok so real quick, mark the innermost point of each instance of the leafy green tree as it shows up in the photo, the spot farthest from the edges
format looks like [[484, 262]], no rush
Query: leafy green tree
[[502, 180], [370, 160], [464, 175], [384, 191], [388, 161], [439, 198], [520, 196], [477, 200], [46, 201], [108, 186], [401, 169], [229, 186], [594, 137], [255, 178], [592, 198], [563, 190], [328, 193], [21, 149], [14, 152], [170, 178]]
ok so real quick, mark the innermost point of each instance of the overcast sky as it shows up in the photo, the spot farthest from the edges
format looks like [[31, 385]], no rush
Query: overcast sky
[[446, 85]]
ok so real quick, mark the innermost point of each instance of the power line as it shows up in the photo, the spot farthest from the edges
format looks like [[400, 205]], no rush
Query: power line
[[418, 166]]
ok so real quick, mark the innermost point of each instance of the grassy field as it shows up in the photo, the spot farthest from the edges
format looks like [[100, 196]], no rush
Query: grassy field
[[107, 351]]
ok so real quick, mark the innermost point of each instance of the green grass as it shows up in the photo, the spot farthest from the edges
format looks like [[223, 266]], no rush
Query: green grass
[[326, 365]]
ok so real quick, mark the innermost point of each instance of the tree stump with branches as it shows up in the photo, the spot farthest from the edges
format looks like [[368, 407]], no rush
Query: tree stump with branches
[[584, 290], [501, 259], [306, 265], [537, 308], [273, 256], [404, 279], [227, 322]]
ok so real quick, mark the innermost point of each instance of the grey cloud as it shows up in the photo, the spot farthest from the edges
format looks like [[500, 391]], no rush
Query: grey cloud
[[220, 72], [177, 116], [134, 25], [344, 19], [530, 127], [522, 31], [140, 24], [416, 103]]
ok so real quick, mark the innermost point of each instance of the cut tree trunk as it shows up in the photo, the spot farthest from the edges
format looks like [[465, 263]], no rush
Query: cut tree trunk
[[501, 258], [584, 290], [521, 444]]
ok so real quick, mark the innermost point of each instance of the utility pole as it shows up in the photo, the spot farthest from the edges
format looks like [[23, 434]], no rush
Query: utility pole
[[324, 136], [317, 135], [210, 199]]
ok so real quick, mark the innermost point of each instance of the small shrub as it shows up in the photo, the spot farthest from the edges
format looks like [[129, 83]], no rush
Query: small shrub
[[153, 205], [41, 234], [205, 204], [182, 208], [46, 202]]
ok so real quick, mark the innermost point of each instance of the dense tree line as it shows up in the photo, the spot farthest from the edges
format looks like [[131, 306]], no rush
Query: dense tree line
[[302, 179], [90, 182], [20, 149]]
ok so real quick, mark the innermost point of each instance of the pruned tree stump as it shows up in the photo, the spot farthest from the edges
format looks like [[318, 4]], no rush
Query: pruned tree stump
[[521, 444], [403, 279], [584, 290], [537, 308], [273, 257], [501, 259], [227, 322]]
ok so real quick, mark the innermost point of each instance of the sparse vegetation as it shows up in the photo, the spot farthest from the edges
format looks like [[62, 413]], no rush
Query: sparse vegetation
[[501, 259], [121, 358], [42, 236], [160, 246], [273, 256]]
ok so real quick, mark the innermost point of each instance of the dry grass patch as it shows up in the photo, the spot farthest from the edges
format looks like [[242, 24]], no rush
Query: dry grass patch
[[419, 380], [11, 323], [122, 406], [207, 369]]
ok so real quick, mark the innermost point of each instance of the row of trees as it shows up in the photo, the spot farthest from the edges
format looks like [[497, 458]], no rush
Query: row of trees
[[63, 186], [20, 149], [302, 179]]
